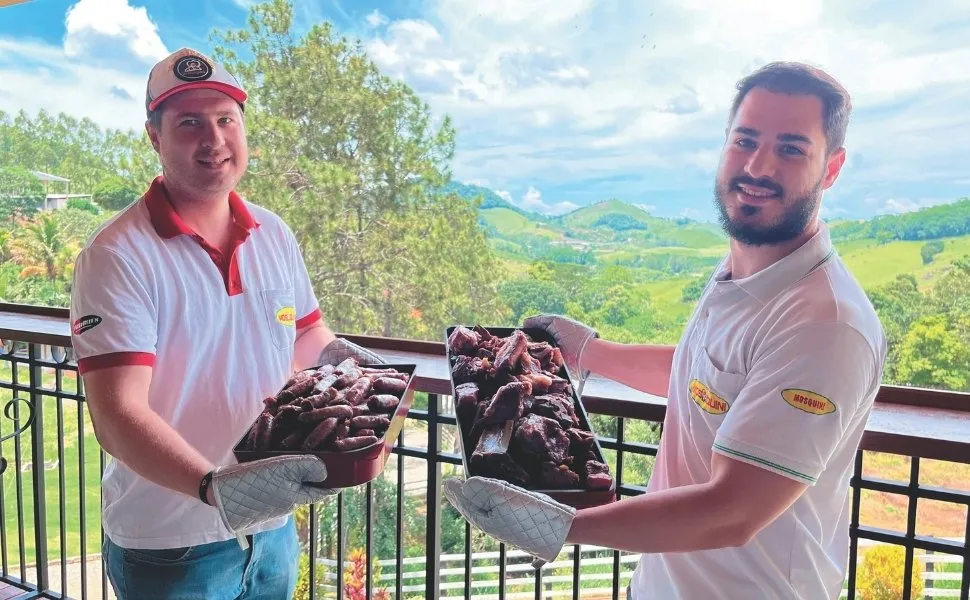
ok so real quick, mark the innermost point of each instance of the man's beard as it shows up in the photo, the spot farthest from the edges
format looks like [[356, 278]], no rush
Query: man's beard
[[794, 220]]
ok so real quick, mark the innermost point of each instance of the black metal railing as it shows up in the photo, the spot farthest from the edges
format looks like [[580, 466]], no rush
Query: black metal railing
[[50, 532]]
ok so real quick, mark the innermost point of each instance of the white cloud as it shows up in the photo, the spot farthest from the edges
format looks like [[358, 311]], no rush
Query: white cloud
[[92, 22], [904, 205], [648, 85], [376, 18], [98, 73], [532, 201], [111, 97]]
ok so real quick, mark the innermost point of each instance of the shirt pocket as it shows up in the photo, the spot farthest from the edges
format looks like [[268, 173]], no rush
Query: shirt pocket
[[712, 390], [279, 310]]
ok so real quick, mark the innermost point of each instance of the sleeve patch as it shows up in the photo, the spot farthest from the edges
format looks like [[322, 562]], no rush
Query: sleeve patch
[[82, 324], [810, 402]]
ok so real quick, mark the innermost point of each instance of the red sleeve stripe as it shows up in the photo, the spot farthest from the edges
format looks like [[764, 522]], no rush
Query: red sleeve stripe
[[115, 359], [310, 319]]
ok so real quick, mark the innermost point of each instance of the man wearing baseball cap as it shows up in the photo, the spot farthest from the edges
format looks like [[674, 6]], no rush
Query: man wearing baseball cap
[[188, 308]]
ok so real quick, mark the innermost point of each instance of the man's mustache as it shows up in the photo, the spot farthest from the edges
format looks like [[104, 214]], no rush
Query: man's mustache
[[762, 183]]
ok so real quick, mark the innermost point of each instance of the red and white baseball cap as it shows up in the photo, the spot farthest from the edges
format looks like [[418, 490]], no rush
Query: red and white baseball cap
[[187, 69]]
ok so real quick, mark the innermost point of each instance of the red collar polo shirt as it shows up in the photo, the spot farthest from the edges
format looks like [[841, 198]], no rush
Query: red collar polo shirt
[[218, 331], [778, 370]]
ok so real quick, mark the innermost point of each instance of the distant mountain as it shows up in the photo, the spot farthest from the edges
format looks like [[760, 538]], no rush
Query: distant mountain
[[489, 198], [934, 222], [617, 218]]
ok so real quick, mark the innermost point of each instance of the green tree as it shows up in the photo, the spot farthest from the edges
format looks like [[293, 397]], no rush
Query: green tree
[[526, 297], [929, 250], [693, 290], [76, 149], [114, 193], [933, 353], [348, 157], [20, 192]]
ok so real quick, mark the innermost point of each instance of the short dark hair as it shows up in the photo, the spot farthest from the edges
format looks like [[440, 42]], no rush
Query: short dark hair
[[795, 78], [155, 116]]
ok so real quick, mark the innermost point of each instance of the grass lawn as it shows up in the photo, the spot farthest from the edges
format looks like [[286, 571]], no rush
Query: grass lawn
[[55, 464], [874, 265]]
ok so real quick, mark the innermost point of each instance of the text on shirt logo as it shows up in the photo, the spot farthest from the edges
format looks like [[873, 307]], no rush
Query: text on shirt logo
[[286, 316], [807, 401], [86, 322], [706, 399]]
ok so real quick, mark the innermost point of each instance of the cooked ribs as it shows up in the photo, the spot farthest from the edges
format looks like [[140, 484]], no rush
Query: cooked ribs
[[511, 351], [463, 341], [517, 413], [542, 438]]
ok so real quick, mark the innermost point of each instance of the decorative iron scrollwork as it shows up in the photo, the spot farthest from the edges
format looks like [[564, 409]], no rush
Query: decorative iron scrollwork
[[27, 423]]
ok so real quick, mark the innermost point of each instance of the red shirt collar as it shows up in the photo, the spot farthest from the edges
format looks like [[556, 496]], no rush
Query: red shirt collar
[[169, 224]]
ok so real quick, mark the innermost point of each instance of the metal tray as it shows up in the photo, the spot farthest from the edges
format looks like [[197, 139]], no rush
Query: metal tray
[[352, 467], [577, 498]]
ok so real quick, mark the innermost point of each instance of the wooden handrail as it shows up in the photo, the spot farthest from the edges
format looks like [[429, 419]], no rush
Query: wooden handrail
[[906, 420]]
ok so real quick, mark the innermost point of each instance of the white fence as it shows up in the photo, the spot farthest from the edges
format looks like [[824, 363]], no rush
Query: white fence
[[519, 573]]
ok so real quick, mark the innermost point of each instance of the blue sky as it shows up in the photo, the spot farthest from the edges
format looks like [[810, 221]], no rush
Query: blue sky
[[562, 103]]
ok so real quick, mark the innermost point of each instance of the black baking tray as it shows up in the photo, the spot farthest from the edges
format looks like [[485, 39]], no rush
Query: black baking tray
[[351, 467], [575, 497]]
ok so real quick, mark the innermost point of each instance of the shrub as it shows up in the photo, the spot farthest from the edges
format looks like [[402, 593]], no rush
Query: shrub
[[302, 591], [880, 575]]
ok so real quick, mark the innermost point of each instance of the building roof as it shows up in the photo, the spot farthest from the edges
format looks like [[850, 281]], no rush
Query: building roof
[[49, 177]]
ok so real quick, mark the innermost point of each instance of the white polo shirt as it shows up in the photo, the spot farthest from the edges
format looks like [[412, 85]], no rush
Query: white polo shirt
[[219, 332], [778, 370]]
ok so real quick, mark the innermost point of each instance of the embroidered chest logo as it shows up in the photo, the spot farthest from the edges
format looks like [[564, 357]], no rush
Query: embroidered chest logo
[[286, 316], [85, 323], [707, 399], [807, 401]]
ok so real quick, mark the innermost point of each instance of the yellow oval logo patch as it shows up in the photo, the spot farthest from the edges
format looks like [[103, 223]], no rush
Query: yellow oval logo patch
[[706, 399], [286, 316], [810, 402]]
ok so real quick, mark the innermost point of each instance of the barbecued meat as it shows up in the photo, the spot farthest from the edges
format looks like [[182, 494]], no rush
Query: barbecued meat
[[598, 475], [555, 407], [511, 351], [506, 404], [492, 458], [581, 443], [468, 368], [540, 382], [466, 400], [517, 414], [555, 476], [542, 438], [463, 341], [559, 386]]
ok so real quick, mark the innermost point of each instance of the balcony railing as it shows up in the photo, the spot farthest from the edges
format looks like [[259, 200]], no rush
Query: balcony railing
[[404, 539]]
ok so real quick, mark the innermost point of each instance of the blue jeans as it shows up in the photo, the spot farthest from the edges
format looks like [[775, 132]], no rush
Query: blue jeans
[[267, 570]]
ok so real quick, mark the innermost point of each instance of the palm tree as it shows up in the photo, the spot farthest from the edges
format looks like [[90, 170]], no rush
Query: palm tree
[[42, 248]]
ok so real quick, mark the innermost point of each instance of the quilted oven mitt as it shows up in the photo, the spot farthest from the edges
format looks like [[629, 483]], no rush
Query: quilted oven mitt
[[529, 521], [571, 336], [247, 494], [339, 349]]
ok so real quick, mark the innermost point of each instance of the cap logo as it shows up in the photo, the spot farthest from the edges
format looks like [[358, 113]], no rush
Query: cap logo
[[192, 68]]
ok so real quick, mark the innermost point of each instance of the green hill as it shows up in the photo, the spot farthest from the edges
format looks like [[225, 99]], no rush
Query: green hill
[[507, 222], [593, 216], [613, 218], [930, 223], [490, 199]]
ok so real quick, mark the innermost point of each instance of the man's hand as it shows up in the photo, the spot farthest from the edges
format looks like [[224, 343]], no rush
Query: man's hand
[[340, 349], [529, 521], [571, 336], [248, 494]]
